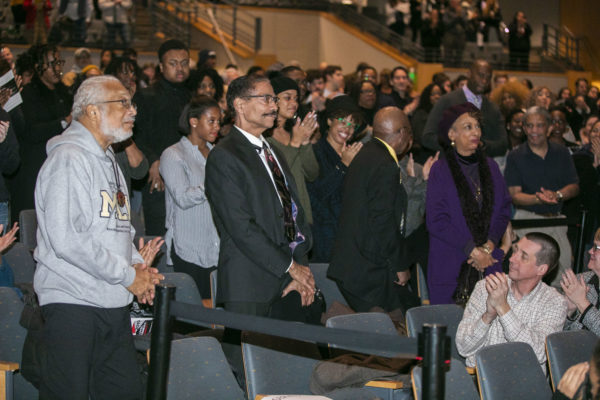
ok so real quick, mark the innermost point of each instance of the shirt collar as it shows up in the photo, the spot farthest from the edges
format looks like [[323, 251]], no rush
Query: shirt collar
[[257, 141], [189, 145], [391, 151], [475, 99]]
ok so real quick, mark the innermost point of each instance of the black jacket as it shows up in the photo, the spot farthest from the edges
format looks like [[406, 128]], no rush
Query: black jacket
[[9, 156], [254, 254]]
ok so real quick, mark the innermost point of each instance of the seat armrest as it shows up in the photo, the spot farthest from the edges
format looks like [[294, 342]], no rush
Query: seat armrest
[[386, 384], [471, 370], [8, 366]]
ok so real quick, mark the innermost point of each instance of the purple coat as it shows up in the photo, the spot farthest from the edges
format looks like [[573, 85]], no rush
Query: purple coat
[[449, 236]]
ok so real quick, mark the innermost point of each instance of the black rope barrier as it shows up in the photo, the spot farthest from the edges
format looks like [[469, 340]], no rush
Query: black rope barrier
[[166, 309]]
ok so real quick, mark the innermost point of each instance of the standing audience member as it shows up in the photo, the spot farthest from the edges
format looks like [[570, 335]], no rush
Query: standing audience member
[[432, 32], [517, 307], [516, 136], [125, 70], [159, 109], [9, 163], [583, 293], [400, 96], [192, 238], [564, 94], [540, 96], [116, 19], [541, 176], [106, 56], [430, 95], [87, 266], [291, 135], [455, 36], [468, 209], [493, 134], [265, 238], [334, 82], [364, 93], [206, 82], [509, 96], [334, 156], [46, 113], [371, 255], [519, 42]]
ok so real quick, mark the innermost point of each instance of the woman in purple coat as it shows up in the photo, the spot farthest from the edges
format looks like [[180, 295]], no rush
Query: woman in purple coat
[[468, 208]]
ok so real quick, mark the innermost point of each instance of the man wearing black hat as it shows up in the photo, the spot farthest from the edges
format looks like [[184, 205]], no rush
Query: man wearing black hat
[[370, 260], [206, 59], [159, 108]]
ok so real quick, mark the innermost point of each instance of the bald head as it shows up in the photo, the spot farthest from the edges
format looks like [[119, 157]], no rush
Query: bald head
[[392, 126], [480, 77]]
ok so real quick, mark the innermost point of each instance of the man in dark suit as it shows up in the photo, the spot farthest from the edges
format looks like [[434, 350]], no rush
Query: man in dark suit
[[264, 234], [493, 131], [370, 261]]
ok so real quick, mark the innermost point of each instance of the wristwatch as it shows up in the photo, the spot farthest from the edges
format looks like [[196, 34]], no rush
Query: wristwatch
[[486, 248]]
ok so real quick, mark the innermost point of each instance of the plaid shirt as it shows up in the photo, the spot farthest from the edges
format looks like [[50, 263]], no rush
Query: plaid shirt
[[538, 314]]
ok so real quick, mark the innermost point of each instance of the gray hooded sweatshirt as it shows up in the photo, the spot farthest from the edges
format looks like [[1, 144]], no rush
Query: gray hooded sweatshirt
[[85, 252]]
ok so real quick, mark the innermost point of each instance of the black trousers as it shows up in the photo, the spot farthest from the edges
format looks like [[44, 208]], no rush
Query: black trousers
[[155, 212], [88, 352], [201, 275]]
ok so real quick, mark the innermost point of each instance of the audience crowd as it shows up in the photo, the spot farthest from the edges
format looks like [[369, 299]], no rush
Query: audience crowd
[[257, 175]]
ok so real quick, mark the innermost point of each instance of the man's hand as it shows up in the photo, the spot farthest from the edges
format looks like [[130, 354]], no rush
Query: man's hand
[[403, 277], [149, 250], [306, 295], [303, 275], [575, 290], [572, 379], [547, 196], [410, 166], [9, 237], [154, 178], [498, 292], [144, 282], [428, 164]]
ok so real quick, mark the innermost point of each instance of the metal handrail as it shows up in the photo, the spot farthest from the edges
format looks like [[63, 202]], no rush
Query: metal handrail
[[561, 44]]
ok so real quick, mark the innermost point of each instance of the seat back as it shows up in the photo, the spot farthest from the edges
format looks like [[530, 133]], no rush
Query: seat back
[[459, 384], [213, 288], [28, 228], [327, 286], [199, 369], [275, 365], [565, 349], [12, 339], [373, 322], [186, 292], [20, 258], [510, 371], [445, 314]]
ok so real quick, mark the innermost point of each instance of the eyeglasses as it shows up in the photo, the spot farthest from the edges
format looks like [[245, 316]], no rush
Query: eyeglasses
[[347, 123], [175, 63], [265, 98], [125, 103], [595, 248]]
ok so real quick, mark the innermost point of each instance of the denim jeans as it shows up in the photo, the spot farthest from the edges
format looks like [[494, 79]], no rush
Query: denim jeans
[[4, 216]]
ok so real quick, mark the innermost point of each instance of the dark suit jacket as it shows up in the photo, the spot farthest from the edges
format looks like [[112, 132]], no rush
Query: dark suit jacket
[[254, 253], [369, 247], [493, 129]]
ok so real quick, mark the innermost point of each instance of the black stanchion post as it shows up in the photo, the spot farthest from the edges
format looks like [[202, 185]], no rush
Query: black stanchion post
[[579, 251], [160, 344], [433, 348]]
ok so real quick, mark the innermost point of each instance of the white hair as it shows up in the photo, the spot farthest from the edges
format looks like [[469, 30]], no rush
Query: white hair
[[92, 91]]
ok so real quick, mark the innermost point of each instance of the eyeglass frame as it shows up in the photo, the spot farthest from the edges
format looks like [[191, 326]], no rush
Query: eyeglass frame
[[267, 98], [125, 103], [346, 123]]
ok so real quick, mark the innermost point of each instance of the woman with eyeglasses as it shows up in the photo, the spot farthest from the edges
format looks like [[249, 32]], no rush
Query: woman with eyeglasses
[[291, 135], [467, 210], [334, 155], [191, 238], [583, 293], [46, 112]]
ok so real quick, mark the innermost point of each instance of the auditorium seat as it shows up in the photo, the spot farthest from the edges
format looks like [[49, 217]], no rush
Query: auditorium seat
[[565, 349]]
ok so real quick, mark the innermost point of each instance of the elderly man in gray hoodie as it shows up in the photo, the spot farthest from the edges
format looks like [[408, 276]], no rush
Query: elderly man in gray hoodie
[[87, 266]]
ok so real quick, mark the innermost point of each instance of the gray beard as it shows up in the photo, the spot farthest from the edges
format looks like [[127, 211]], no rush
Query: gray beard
[[117, 135]]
